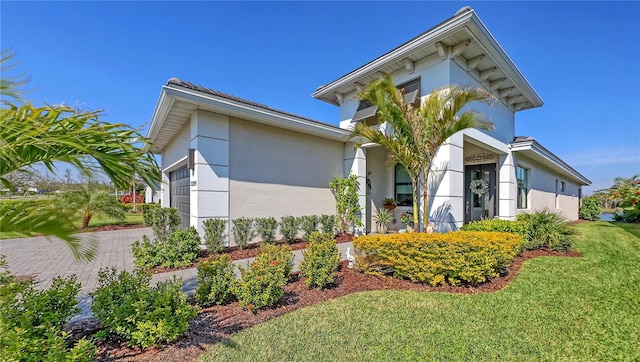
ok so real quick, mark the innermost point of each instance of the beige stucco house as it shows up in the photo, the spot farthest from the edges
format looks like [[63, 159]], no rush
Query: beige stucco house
[[228, 157]]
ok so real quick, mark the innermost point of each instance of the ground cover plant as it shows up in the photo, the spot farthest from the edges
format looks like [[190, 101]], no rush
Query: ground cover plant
[[557, 308]]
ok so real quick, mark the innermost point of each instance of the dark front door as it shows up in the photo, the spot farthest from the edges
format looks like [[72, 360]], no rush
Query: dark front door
[[480, 192], [180, 194]]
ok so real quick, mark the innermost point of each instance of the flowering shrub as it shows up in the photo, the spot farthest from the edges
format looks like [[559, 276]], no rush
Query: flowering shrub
[[321, 259], [455, 257], [629, 195], [280, 256], [144, 315], [215, 280], [128, 199]]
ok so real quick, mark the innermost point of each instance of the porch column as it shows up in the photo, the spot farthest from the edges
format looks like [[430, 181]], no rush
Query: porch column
[[355, 162], [507, 187], [210, 176], [446, 186]]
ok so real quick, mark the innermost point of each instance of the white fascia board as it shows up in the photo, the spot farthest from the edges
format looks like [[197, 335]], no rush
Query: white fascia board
[[396, 55], [491, 45], [483, 140], [160, 113], [541, 154], [256, 114]]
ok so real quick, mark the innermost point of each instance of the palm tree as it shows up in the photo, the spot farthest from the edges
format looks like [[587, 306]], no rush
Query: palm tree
[[415, 134], [400, 138], [47, 135], [439, 117], [85, 203]]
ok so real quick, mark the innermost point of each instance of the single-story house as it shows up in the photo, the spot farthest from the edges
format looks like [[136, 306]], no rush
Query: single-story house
[[227, 157]]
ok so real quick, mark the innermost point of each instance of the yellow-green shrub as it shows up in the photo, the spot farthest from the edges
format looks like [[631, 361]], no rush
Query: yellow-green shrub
[[460, 256]]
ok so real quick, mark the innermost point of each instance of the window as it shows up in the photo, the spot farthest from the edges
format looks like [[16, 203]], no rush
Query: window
[[562, 186], [522, 175], [367, 112], [403, 186]]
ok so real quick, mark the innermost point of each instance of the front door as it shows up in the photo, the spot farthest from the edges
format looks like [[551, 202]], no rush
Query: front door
[[480, 192]]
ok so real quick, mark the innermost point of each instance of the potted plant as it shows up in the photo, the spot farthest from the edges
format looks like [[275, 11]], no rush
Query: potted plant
[[389, 203], [382, 218], [407, 219]]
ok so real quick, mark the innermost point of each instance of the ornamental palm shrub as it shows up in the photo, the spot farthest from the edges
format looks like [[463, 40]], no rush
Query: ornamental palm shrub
[[267, 227], [309, 224], [243, 231], [32, 321], [128, 306], [215, 280], [328, 223], [590, 209], [289, 228], [214, 234], [549, 229], [86, 203], [321, 259]]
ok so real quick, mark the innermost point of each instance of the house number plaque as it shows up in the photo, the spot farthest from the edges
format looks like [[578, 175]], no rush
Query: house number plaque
[[480, 158]]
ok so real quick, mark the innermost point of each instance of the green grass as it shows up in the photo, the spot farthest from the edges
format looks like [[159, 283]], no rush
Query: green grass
[[558, 308], [131, 219]]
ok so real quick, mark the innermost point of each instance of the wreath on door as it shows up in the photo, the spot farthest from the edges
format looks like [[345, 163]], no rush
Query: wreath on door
[[479, 187]]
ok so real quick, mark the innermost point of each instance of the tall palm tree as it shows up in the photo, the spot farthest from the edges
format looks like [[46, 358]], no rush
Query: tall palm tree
[[400, 138], [31, 136], [439, 117], [416, 134]]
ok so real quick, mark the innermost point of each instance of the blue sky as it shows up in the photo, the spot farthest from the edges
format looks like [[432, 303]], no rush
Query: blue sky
[[583, 59]]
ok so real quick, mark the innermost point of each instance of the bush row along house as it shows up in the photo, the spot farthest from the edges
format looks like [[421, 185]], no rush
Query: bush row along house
[[228, 157]]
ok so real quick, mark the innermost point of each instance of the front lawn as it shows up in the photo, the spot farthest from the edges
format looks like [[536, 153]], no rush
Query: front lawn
[[557, 309]]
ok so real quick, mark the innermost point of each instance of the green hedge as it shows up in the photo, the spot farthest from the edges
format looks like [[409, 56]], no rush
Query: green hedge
[[461, 256]]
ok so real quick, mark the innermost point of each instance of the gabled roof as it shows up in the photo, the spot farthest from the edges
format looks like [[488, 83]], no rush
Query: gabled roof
[[529, 147], [466, 40], [179, 99]]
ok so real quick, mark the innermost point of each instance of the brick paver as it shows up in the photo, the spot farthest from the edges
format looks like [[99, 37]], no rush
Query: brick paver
[[46, 258]]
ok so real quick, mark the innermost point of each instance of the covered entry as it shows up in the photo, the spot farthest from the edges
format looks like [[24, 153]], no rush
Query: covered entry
[[180, 194], [480, 192]]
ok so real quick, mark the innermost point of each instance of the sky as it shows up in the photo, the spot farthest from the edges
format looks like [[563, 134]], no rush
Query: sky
[[582, 58]]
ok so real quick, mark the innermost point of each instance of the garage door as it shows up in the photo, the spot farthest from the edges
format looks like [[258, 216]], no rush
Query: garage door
[[179, 194]]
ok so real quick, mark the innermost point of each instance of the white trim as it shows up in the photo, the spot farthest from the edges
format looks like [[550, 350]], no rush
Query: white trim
[[534, 150]]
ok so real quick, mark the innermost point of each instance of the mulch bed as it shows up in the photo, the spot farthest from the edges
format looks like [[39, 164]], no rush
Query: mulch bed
[[214, 324]]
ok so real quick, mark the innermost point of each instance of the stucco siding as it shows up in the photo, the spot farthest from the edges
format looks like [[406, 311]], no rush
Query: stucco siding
[[275, 172], [177, 148], [502, 117], [545, 190]]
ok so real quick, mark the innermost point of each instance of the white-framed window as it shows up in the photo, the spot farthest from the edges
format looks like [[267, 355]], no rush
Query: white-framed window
[[522, 177]]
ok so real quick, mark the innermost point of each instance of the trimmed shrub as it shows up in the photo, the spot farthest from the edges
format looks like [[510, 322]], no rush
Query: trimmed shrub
[[164, 221], [590, 209], [329, 223], [147, 212], [267, 227], [181, 249], [214, 234], [321, 259], [144, 315], [461, 256], [289, 228], [32, 321], [262, 282], [215, 281], [515, 227], [309, 224], [631, 214], [546, 228], [242, 231]]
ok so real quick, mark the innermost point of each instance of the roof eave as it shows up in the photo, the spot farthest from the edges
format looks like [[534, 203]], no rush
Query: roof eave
[[542, 154]]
